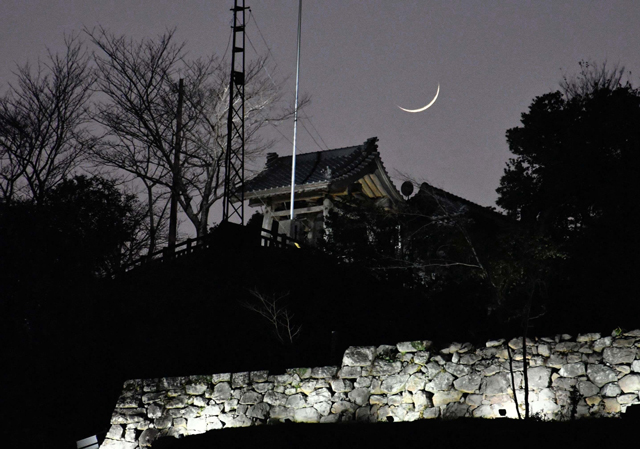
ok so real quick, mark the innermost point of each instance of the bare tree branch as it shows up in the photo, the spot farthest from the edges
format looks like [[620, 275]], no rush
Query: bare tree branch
[[43, 137]]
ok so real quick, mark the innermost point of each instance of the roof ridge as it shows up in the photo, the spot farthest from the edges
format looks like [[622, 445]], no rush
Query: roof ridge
[[363, 145]]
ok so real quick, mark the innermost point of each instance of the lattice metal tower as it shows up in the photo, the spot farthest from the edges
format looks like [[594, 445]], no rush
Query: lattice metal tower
[[233, 201]]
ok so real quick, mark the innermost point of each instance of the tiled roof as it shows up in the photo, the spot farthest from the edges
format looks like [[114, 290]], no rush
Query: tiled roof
[[320, 168]]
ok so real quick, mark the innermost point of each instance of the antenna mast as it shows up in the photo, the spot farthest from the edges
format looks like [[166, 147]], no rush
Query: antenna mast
[[295, 114], [233, 201]]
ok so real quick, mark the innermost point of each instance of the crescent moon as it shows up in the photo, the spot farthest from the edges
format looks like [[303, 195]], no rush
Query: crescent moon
[[427, 106]]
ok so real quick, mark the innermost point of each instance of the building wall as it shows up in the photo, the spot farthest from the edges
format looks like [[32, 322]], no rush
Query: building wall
[[590, 375]]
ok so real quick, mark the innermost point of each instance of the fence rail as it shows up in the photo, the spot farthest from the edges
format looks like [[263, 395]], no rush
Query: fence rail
[[267, 238]]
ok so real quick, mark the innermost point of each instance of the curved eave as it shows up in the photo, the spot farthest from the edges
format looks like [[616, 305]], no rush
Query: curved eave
[[319, 187]]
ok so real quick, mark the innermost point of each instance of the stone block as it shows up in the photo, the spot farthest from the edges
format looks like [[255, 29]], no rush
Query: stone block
[[213, 423], [593, 336], [630, 398], [239, 380], [129, 418], [196, 426], [308, 386], [542, 408], [630, 383], [195, 389], [128, 401], [601, 375], [496, 384], [411, 368], [251, 397], [263, 387], [212, 410], [563, 383], [593, 400], [556, 361], [324, 372], [385, 368], [573, 370], [330, 419], [485, 411], [118, 444], [587, 388], [321, 395], [431, 413], [616, 356], [148, 437], [421, 357], [359, 356], [281, 379], [224, 377], [296, 401], [455, 410], [258, 411], [624, 369], [171, 383], [432, 369], [416, 382], [221, 392], [377, 399], [115, 432], [190, 411], [543, 350], [324, 408], [440, 382], [611, 406], [342, 385], [154, 411], [394, 384], [278, 412], [421, 401], [494, 343], [446, 397], [164, 422], [274, 398], [457, 370], [623, 342], [343, 407], [469, 359], [611, 390], [491, 370], [363, 414], [350, 372], [602, 343], [468, 384], [231, 421], [538, 377], [259, 376]]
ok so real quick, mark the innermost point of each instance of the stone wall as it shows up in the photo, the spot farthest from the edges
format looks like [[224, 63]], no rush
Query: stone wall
[[590, 375]]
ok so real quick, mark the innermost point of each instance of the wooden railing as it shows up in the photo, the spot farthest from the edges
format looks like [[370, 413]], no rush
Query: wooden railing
[[267, 238]]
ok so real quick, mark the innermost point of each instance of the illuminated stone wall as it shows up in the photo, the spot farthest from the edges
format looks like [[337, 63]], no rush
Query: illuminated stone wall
[[590, 375]]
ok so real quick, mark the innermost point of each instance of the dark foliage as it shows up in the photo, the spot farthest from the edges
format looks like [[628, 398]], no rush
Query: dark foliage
[[574, 182]]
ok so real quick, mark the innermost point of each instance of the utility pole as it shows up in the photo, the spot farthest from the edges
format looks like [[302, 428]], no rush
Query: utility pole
[[295, 123], [173, 211], [233, 201]]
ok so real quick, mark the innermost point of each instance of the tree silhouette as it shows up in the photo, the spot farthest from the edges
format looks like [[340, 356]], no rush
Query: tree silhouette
[[43, 118]]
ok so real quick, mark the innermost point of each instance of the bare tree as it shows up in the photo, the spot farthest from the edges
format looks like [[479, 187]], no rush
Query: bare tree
[[43, 137], [139, 81], [280, 318], [591, 78]]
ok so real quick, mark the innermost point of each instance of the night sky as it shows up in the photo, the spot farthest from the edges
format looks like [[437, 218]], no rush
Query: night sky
[[362, 58]]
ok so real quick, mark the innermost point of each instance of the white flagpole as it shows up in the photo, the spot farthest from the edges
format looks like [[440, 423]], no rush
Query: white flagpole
[[295, 114]]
